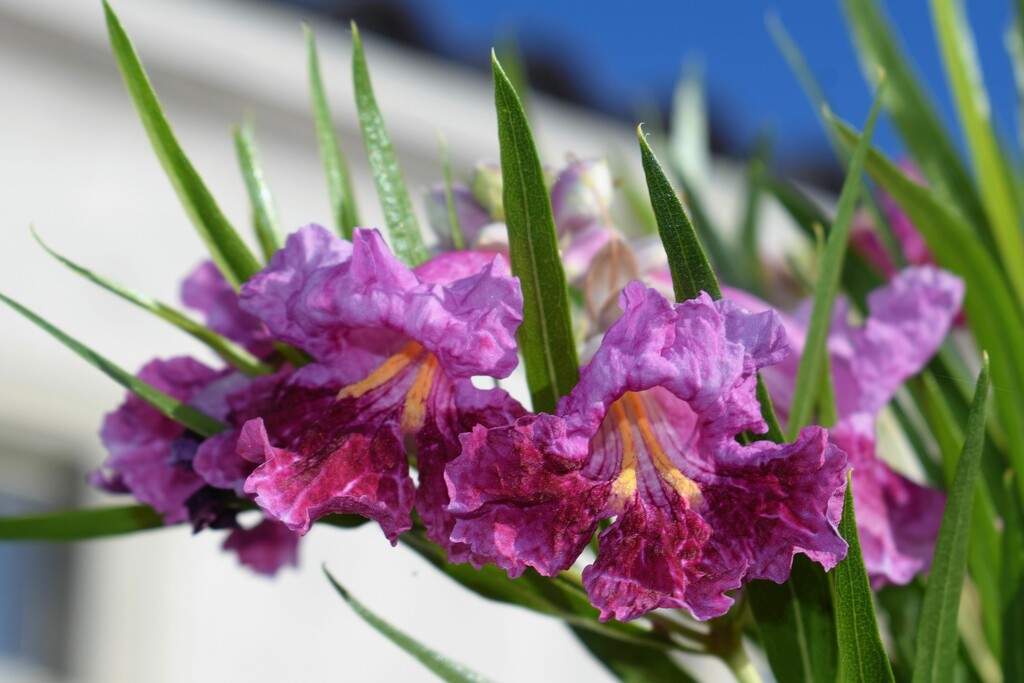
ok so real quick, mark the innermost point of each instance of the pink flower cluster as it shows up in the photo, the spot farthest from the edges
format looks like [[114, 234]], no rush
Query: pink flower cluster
[[647, 441]]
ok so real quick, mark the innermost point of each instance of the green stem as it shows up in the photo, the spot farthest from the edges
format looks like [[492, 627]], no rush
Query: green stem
[[740, 665]]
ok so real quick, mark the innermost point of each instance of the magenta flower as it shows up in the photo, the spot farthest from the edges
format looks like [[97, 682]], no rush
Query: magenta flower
[[264, 548], [897, 519], [205, 290], [403, 345], [648, 438]]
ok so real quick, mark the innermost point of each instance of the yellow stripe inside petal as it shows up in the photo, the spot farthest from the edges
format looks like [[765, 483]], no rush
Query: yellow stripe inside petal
[[385, 372]]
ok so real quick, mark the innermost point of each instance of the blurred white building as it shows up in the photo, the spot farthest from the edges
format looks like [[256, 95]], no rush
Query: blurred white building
[[76, 163]]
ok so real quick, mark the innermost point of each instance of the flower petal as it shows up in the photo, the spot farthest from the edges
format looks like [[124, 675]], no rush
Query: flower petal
[[264, 548], [519, 501]]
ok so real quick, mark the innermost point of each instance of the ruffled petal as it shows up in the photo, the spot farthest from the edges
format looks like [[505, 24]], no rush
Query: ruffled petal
[[907, 321], [519, 500], [897, 519], [140, 441], [205, 290], [335, 467], [371, 304]]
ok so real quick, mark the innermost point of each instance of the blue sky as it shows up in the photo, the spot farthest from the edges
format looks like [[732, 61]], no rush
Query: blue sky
[[628, 52]]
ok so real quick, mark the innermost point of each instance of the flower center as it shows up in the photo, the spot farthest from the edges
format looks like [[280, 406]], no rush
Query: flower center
[[637, 435], [410, 358]]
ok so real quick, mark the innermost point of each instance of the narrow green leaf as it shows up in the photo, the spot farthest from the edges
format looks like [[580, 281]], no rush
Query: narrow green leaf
[[446, 669], [228, 250], [994, 317], [911, 110], [812, 362], [691, 272], [268, 225], [990, 166], [183, 414], [403, 228], [937, 629], [558, 597], [861, 653], [796, 622], [1012, 585], [632, 664], [545, 337], [339, 181], [449, 197], [221, 345], [80, 525]]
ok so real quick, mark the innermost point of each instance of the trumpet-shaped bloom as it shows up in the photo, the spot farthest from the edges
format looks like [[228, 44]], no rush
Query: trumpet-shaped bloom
[[897, 519], [403, 345], [647, 439]]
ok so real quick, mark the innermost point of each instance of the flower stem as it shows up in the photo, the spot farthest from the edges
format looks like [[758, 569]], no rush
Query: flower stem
[[741, 666]]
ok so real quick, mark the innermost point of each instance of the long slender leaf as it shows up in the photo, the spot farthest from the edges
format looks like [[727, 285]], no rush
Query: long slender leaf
[[808, 378], [268, 225], [446, 669], [937, 629], [994, 317], [861, 653], [796, 622], [1012, 610], [228, 250], [403, 228], [912, 112], [80, 525], [632, 664], [691, 272], [171, 407], [221, 345], [994, 178], [339, 181], [545, 337]]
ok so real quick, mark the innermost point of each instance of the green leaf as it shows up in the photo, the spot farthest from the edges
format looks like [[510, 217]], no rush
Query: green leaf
[[446, 669], [228, 250], [861, 653], [753, 275], [990, 166], [691, 272], [936, 645], [183, 414], [1012, 610], [404, 230], [558, 597], [796, 621], [812, 362], [268, 225], [632, 664], [545, 337], [80, 525], [911, 110], [221, 345], [339, 181], [994, 317]]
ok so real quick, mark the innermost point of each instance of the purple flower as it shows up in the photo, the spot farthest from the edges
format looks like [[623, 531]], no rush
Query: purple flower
[[403, 345], [150, 453], [205, 290], [264, 548], [897, 519], [648, 438]]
